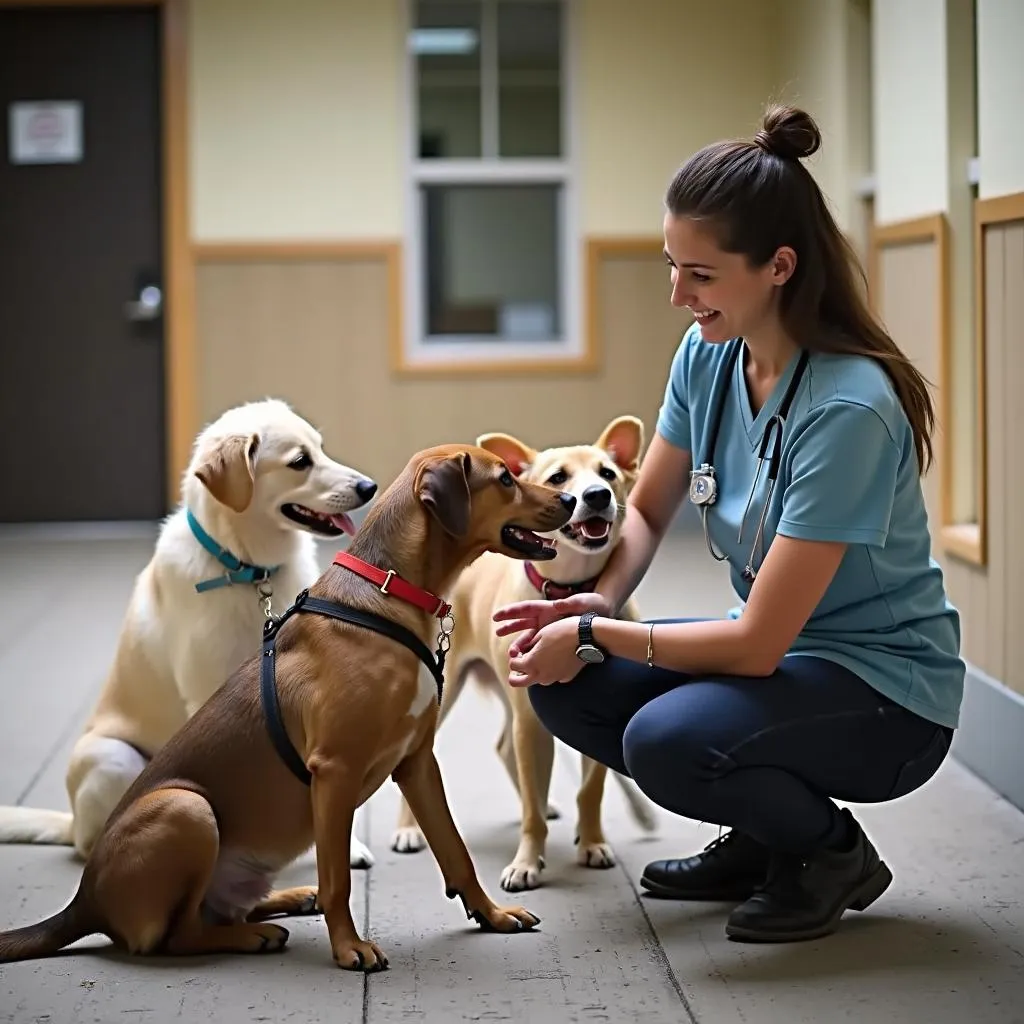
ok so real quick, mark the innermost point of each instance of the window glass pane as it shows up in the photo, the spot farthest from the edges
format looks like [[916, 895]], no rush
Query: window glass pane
[[529, 78], [491, 254], [446, 44]]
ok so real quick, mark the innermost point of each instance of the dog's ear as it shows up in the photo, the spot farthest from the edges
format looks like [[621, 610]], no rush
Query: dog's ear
[[623, 440], [229, 470], [443, 487], [516, 455]]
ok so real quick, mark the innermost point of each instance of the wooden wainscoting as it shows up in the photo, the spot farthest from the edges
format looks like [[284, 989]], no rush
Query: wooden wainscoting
[[991, 596], [908, 274], [316, 324]]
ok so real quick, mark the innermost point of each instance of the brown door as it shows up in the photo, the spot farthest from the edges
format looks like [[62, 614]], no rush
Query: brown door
[[81, 324]]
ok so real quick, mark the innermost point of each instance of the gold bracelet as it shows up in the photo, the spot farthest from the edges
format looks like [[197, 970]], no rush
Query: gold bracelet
[[650, 646]]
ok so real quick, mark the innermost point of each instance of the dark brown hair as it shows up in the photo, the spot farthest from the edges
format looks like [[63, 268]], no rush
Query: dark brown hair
[[758, 196]]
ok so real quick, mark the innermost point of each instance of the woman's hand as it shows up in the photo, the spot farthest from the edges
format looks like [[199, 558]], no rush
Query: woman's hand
[[551, 657], [530, 617]]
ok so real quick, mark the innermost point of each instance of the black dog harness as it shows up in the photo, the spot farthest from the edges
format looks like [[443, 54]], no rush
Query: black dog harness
[[356, 616]]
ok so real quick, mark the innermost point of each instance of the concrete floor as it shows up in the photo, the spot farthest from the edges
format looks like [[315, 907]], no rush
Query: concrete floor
[[946, 943]]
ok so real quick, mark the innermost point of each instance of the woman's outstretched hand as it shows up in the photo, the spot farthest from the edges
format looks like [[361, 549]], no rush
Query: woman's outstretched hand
[[530, 617]]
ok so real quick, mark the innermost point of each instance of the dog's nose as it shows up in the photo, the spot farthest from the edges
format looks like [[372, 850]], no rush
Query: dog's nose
[[366, 489], [568, 500], [598, 498]]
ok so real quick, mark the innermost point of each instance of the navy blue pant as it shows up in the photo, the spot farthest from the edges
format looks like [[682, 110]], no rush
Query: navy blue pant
[[762, 755]]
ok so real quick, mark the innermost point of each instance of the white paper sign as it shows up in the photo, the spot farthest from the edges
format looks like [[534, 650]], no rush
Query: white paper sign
[[45, 132]]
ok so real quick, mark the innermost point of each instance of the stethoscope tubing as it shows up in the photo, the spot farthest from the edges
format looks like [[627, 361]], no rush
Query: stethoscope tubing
[[773, 433]]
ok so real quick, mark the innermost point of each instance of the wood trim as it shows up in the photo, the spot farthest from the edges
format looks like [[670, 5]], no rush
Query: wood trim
[[598, 249], [181, 390], [587, 362], [81, 3], [999, 209], [327, 250], [286, 251], [908, 232], [965, 541], [180, 384]]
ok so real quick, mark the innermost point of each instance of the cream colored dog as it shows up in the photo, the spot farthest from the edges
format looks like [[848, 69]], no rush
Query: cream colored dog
[[257, 490], [600, 476]]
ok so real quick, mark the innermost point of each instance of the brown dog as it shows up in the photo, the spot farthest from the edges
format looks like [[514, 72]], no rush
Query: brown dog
[[186, 861], [600, 476]]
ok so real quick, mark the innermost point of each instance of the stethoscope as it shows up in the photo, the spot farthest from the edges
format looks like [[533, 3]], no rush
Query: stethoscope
[[703, 480]]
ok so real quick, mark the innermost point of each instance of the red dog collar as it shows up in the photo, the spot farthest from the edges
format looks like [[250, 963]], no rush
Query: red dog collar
[[393, 585], [556, 591]]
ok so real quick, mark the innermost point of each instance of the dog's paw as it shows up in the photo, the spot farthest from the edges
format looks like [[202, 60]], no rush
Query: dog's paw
[[359, 855], [268, 938], [521, 875], [407, 840], [309, 904], [554, 812], [356, 955], [595, 855], [506, 919]]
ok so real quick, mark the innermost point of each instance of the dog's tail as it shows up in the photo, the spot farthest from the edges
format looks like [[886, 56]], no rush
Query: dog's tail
[[640, 807], [46, 937], [35, 825]]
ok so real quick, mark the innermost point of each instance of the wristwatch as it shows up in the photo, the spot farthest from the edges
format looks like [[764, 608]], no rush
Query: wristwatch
[[587, 650]]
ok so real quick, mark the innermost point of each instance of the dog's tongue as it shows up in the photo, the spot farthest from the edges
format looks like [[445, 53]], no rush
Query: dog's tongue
[[345, 524], [594, 528]]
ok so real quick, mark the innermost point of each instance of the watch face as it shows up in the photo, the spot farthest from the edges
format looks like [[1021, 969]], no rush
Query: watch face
[[591, 655]]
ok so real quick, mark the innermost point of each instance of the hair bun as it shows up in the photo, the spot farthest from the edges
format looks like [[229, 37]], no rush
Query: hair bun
[[788, 132]]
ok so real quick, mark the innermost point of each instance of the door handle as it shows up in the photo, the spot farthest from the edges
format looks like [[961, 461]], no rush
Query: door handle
[[148, 306]]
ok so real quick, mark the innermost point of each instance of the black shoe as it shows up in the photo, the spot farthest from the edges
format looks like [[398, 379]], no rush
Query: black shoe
[[730, 868], [804, 899]]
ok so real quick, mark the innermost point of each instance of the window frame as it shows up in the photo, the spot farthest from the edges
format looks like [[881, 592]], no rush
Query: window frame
[[423, 353]]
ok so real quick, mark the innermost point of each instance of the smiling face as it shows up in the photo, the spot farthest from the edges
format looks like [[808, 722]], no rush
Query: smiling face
[[728, 296], [263, 461], [477, 500], [599, 476]]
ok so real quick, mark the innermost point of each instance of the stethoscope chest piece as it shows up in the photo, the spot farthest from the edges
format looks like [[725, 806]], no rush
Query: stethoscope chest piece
[[703, 485]]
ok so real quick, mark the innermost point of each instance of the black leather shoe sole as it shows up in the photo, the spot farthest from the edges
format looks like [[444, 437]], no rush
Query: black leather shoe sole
[[736, 894], [859, 898]]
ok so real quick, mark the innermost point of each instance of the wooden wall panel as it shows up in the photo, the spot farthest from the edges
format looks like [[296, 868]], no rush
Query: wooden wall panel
[[1008, 477], [318, 332], [908, 304]]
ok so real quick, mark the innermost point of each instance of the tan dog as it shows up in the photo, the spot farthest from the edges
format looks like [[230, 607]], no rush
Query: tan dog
[[259, 486], [186, 862], [600, 476]]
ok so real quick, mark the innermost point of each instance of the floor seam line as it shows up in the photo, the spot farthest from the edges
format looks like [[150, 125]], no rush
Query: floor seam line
[[48, 759], [660, 955]]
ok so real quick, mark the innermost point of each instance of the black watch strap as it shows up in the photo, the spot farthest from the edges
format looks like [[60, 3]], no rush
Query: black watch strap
[[584, 631]]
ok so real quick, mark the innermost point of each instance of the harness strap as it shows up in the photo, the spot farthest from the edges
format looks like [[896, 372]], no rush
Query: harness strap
[[333, 609]]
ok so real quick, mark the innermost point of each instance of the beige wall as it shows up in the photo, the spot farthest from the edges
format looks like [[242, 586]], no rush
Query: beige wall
[[1000, 89], [288, 140], [297, 121], [823, 63], [909, 75], [298, 115], [658, 79]]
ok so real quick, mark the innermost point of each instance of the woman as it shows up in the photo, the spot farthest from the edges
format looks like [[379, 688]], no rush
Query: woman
[[839, 678]]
